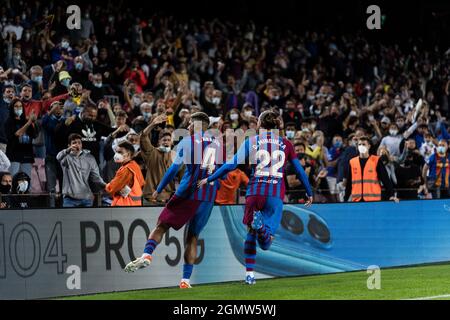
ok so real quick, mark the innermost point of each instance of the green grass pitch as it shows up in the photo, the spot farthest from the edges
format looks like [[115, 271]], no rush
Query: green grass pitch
[[396, 283]]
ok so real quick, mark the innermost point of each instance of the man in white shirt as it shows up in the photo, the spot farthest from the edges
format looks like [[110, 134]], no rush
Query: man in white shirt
[[392, 141]]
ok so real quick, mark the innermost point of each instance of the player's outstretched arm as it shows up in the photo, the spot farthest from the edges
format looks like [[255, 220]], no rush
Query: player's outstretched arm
[[304, 179], [239, 157], [168, 177]]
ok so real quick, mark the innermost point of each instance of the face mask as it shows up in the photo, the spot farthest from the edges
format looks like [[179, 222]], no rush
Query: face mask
[[164, 149], [4, 189], [65, 82], [136, 101], [154, 66], [248, 113], [22, 187], [317, 112], [146, 115], [441, 150], [338, 144], [216, 100], [362, 149], [7, 100], [397, 102], [17, 56], [137, 147], [290, 134], [234, 116], [393, 132], [98, 84], [38, 79], [64, 44], [18, 112], [78, 66], [353, 113], [118, 158]]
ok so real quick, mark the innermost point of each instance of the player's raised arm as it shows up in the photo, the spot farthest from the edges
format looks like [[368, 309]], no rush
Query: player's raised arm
[[240, 157]]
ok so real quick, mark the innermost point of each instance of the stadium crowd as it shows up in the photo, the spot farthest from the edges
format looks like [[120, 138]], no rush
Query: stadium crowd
[[135, 77]]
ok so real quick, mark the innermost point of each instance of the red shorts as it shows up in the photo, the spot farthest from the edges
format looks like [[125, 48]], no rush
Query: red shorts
[[178, 211], [252, 204]]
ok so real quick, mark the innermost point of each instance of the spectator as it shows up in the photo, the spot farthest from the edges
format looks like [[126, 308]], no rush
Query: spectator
[[438, 169], [8, 95], [53, 169], [4, 162], [229, 185], [126, 187], [21, 197], [159, 159], [365, 176], [87, 126], [20, 133], [5, 189], [79, 168]]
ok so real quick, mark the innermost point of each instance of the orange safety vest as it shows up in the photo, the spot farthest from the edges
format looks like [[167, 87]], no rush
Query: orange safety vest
[[365, 185], [134, 198]]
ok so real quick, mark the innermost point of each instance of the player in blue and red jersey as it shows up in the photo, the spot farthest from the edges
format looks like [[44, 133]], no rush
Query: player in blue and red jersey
[[199, 153], [268, 154]]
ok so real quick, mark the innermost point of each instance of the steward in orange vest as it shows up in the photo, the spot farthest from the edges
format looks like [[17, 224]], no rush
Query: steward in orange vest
[[126, 186], [365, 175]]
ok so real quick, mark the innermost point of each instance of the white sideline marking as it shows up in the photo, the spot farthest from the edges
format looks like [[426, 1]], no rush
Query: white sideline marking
[[431, 297]]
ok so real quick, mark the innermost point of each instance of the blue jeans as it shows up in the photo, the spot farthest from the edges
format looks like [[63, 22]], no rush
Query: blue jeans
[[76, 203]]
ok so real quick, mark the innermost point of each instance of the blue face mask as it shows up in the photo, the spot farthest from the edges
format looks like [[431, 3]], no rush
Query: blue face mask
[[78, 66], [38, 79], [65, 82], [147, 115], [338, 144]]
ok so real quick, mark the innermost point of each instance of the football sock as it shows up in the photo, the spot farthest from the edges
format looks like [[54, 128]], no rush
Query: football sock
[[250, 251], [150, 246], [187, 271], [264, 239]]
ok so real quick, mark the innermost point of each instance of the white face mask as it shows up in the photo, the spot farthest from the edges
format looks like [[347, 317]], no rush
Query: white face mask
[[22, 187], [248, 114], [234, 116], [164, 149], [290, 134], [216, 100], [362, 149], [118, 158], [393, 132], [441, 150]]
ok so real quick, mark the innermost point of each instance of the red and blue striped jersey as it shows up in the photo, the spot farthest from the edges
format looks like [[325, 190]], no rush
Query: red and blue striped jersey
[[200, 156], [268, 155]]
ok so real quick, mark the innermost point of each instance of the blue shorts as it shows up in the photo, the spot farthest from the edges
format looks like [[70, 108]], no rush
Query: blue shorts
[[199, 221], [270, 207]]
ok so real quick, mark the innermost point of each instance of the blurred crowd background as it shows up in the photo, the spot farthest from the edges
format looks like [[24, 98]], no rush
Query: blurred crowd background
[[137, 74]]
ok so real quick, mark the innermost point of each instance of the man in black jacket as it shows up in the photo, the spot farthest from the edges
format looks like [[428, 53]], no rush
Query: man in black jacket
[[87, 126]]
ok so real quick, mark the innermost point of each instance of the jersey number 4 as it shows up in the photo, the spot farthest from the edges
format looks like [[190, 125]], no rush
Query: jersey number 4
[[264, 157]]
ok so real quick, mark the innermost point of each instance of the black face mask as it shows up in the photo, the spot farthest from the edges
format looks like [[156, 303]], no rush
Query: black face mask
[[5, 189]]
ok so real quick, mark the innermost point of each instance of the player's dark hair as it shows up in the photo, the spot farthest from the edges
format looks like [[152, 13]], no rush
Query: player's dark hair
[[200, 116], [269, 120]]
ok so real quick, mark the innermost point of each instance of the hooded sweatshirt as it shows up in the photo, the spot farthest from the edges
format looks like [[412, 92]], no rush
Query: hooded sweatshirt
[[77, 171]]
